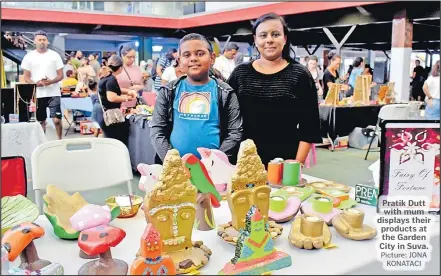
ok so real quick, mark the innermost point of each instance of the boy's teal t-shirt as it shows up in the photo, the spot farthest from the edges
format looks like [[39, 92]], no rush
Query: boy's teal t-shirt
[[195, 118]]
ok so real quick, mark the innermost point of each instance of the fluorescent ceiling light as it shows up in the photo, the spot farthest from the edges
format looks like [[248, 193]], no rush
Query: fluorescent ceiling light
[[157, 48]]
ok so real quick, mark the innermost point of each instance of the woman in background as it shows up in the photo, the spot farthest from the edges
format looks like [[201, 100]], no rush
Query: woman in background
[[111, 97], [317, 75], [431, 89], [358, 69], [130, 78], [172, 73], [85, 73]]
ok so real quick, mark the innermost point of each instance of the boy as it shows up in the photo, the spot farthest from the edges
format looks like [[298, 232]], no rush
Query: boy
[[196, 110]]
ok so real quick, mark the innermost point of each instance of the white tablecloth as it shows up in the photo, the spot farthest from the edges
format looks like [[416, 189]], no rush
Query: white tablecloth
[[20, 140], [348, 256]]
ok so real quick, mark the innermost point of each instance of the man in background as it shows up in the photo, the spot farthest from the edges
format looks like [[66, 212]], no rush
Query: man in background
[[44, 68], [94, 63], [418, 78], [225, 63]]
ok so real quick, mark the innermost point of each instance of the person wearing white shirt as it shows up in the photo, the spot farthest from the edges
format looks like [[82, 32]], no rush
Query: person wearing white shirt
[[432, 90], [225, 63], [44, 68], [172, 73]]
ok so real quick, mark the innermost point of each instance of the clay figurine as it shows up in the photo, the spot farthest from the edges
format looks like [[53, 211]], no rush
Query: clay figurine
[[98, 241], [19, 240], [88, 217], [208, 195], [322, 206], [283, 207], [16, 210], [151, 261], [350, 225], [248, 187], [309, 232], [255, 253], [171, 208], [218, 167], [60, 207], [149, 176]]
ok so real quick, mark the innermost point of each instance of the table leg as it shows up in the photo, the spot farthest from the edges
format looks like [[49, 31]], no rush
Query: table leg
[[332, 143], [69, 123]]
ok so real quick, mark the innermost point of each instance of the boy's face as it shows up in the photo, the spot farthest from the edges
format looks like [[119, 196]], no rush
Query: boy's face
[[195, 59]]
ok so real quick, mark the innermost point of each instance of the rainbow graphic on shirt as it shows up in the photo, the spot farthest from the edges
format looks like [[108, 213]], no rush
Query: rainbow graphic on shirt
[[194, 105]]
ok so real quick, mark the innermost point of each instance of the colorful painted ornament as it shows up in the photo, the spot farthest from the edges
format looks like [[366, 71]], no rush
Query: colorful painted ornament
[[19, 240], [255, 253], [151, 260]]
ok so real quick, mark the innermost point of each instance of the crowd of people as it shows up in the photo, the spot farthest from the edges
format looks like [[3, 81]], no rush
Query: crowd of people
[[204, 100]]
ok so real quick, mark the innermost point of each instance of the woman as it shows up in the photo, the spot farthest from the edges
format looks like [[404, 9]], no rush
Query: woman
[[163, 63], [331, 75], [172, 73], [317, 75], [85, 73], [368, 71], [431, 89], [131, 76], [111, 97], [358, 69], [277, 96]]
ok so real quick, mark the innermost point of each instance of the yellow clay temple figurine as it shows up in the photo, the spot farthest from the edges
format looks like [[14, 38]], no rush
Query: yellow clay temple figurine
[[248, 187], [171, 208]]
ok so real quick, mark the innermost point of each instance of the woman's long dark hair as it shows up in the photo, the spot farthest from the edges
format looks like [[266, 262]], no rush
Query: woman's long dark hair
[[357, 62], [170, 53], [286, 52]]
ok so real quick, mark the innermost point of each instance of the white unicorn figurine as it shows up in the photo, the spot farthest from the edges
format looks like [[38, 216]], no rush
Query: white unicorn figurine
[[218, 166], [149, 176]]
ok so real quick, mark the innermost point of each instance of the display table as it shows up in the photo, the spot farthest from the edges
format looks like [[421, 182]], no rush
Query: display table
[[348, 256], [339, 121], [140, 147], [20, 140], [83, 104]]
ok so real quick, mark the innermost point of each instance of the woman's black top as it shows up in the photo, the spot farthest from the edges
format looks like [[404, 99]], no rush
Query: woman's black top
[[328, 77], [105, 84], [279, 110]]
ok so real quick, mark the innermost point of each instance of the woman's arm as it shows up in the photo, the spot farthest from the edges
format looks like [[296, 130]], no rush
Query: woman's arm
[[114, 98], [159, 70], [303, 151]]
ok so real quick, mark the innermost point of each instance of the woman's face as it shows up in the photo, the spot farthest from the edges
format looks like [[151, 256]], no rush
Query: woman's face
[[129, 58], [336, 63], [175, 55], [270, 39], [312, 64], [84, 61], [366, 71]]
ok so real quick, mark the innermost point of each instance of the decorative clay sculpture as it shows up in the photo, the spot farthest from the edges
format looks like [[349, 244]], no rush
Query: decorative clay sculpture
[[16, 210], [322, 206], [350, 225], [149, 176], [255, 253], [151, 261], [98, 241], [171, 208], [60, 207], [208, 195], [248, 187], [19, 240], [87, 217], [218, 167], [309, 231], [283, 207]]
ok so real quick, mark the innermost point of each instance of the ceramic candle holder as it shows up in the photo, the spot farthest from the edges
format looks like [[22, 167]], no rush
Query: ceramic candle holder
[[248, 187], [19, 241], [309, 232], [255, 253], [283, 207], [321, 206], [349, 224], [171, 208]]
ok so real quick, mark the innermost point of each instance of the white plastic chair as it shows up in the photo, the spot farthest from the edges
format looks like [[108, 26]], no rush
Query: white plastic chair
[[389, 112], [80, 164]]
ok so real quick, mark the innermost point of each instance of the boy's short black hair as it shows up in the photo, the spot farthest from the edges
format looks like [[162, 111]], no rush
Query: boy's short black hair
[[92, 85], [195, 36]]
